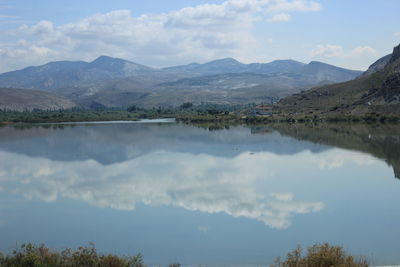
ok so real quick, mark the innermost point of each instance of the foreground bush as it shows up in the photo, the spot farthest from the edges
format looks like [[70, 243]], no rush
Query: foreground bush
[[323, 255], [32, 255], [41, 256]]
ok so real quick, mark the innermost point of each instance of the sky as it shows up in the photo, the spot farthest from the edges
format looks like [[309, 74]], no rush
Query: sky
[[160, 33]]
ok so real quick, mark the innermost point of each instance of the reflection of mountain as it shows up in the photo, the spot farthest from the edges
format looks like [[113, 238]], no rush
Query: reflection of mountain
[[382, 142], [111, 143]]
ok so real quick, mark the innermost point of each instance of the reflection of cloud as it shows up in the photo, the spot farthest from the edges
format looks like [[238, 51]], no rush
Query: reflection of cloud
[[203, 229], [194, 182], [283, 196], [336, 158]]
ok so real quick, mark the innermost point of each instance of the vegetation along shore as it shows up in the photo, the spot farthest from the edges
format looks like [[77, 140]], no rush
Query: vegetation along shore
[[320, 255]]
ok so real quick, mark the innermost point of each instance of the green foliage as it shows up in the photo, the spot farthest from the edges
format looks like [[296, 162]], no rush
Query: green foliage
[[131, 113], [41, 256], [195, 114], [186, 105], [132, 108], [71, 115], [31, 255]]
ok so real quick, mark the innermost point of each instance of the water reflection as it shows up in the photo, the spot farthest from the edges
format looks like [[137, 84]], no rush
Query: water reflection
[[108, 144], [194, 182], [248, 189], [381, 141]]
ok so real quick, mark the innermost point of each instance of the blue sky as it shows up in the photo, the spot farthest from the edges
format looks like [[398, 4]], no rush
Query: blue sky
[[159, 33]]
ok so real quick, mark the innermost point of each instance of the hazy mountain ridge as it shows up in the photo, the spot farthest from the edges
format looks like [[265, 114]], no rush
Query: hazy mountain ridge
[[113, 82], [228, 82], [68, 73], [230, 65]]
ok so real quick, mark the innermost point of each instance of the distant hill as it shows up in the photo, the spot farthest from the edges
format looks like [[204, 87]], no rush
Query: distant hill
[[315, 71], [69, 73], [225, 81], [114, 82], [226, 65], [322, 72], [230, 65], [377, 91], [25, 99]]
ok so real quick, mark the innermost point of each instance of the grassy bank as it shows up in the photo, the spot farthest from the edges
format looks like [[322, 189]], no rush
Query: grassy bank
[[319, 255], [109, 114], [72, 115], [198, 114]]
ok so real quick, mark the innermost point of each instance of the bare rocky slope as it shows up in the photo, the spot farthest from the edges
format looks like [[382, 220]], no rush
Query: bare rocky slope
[[26, 99], [375, 92]]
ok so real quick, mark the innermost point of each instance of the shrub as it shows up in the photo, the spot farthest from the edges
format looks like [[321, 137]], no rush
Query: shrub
[[41, 256], [323, 255]]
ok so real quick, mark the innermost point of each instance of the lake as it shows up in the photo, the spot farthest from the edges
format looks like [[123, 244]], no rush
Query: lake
[[206, 194]]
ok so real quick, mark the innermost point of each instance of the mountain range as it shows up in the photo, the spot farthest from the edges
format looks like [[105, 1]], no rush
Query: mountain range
[[114, 82]]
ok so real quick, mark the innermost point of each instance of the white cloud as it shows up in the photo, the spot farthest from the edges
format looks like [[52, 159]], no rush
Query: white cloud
[[397, 34], [196, 33], [42, 28], [362, 50], [327, 51], [331, 51], [296, 5], [282, 17]]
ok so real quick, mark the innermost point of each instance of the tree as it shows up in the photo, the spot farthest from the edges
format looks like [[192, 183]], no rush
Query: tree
[[132, 108], [186, 105]]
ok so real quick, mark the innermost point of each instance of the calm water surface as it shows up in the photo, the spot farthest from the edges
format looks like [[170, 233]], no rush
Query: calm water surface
[[202, 195]]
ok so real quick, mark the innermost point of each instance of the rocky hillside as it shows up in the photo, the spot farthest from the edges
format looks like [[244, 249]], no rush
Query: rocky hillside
[[25, 99], [377, 91], [378, 65]]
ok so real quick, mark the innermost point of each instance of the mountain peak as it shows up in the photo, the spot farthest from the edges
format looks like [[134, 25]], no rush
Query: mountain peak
[[395, 54], [317, 63], [105, 59], [227, 60], [287, 61]]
